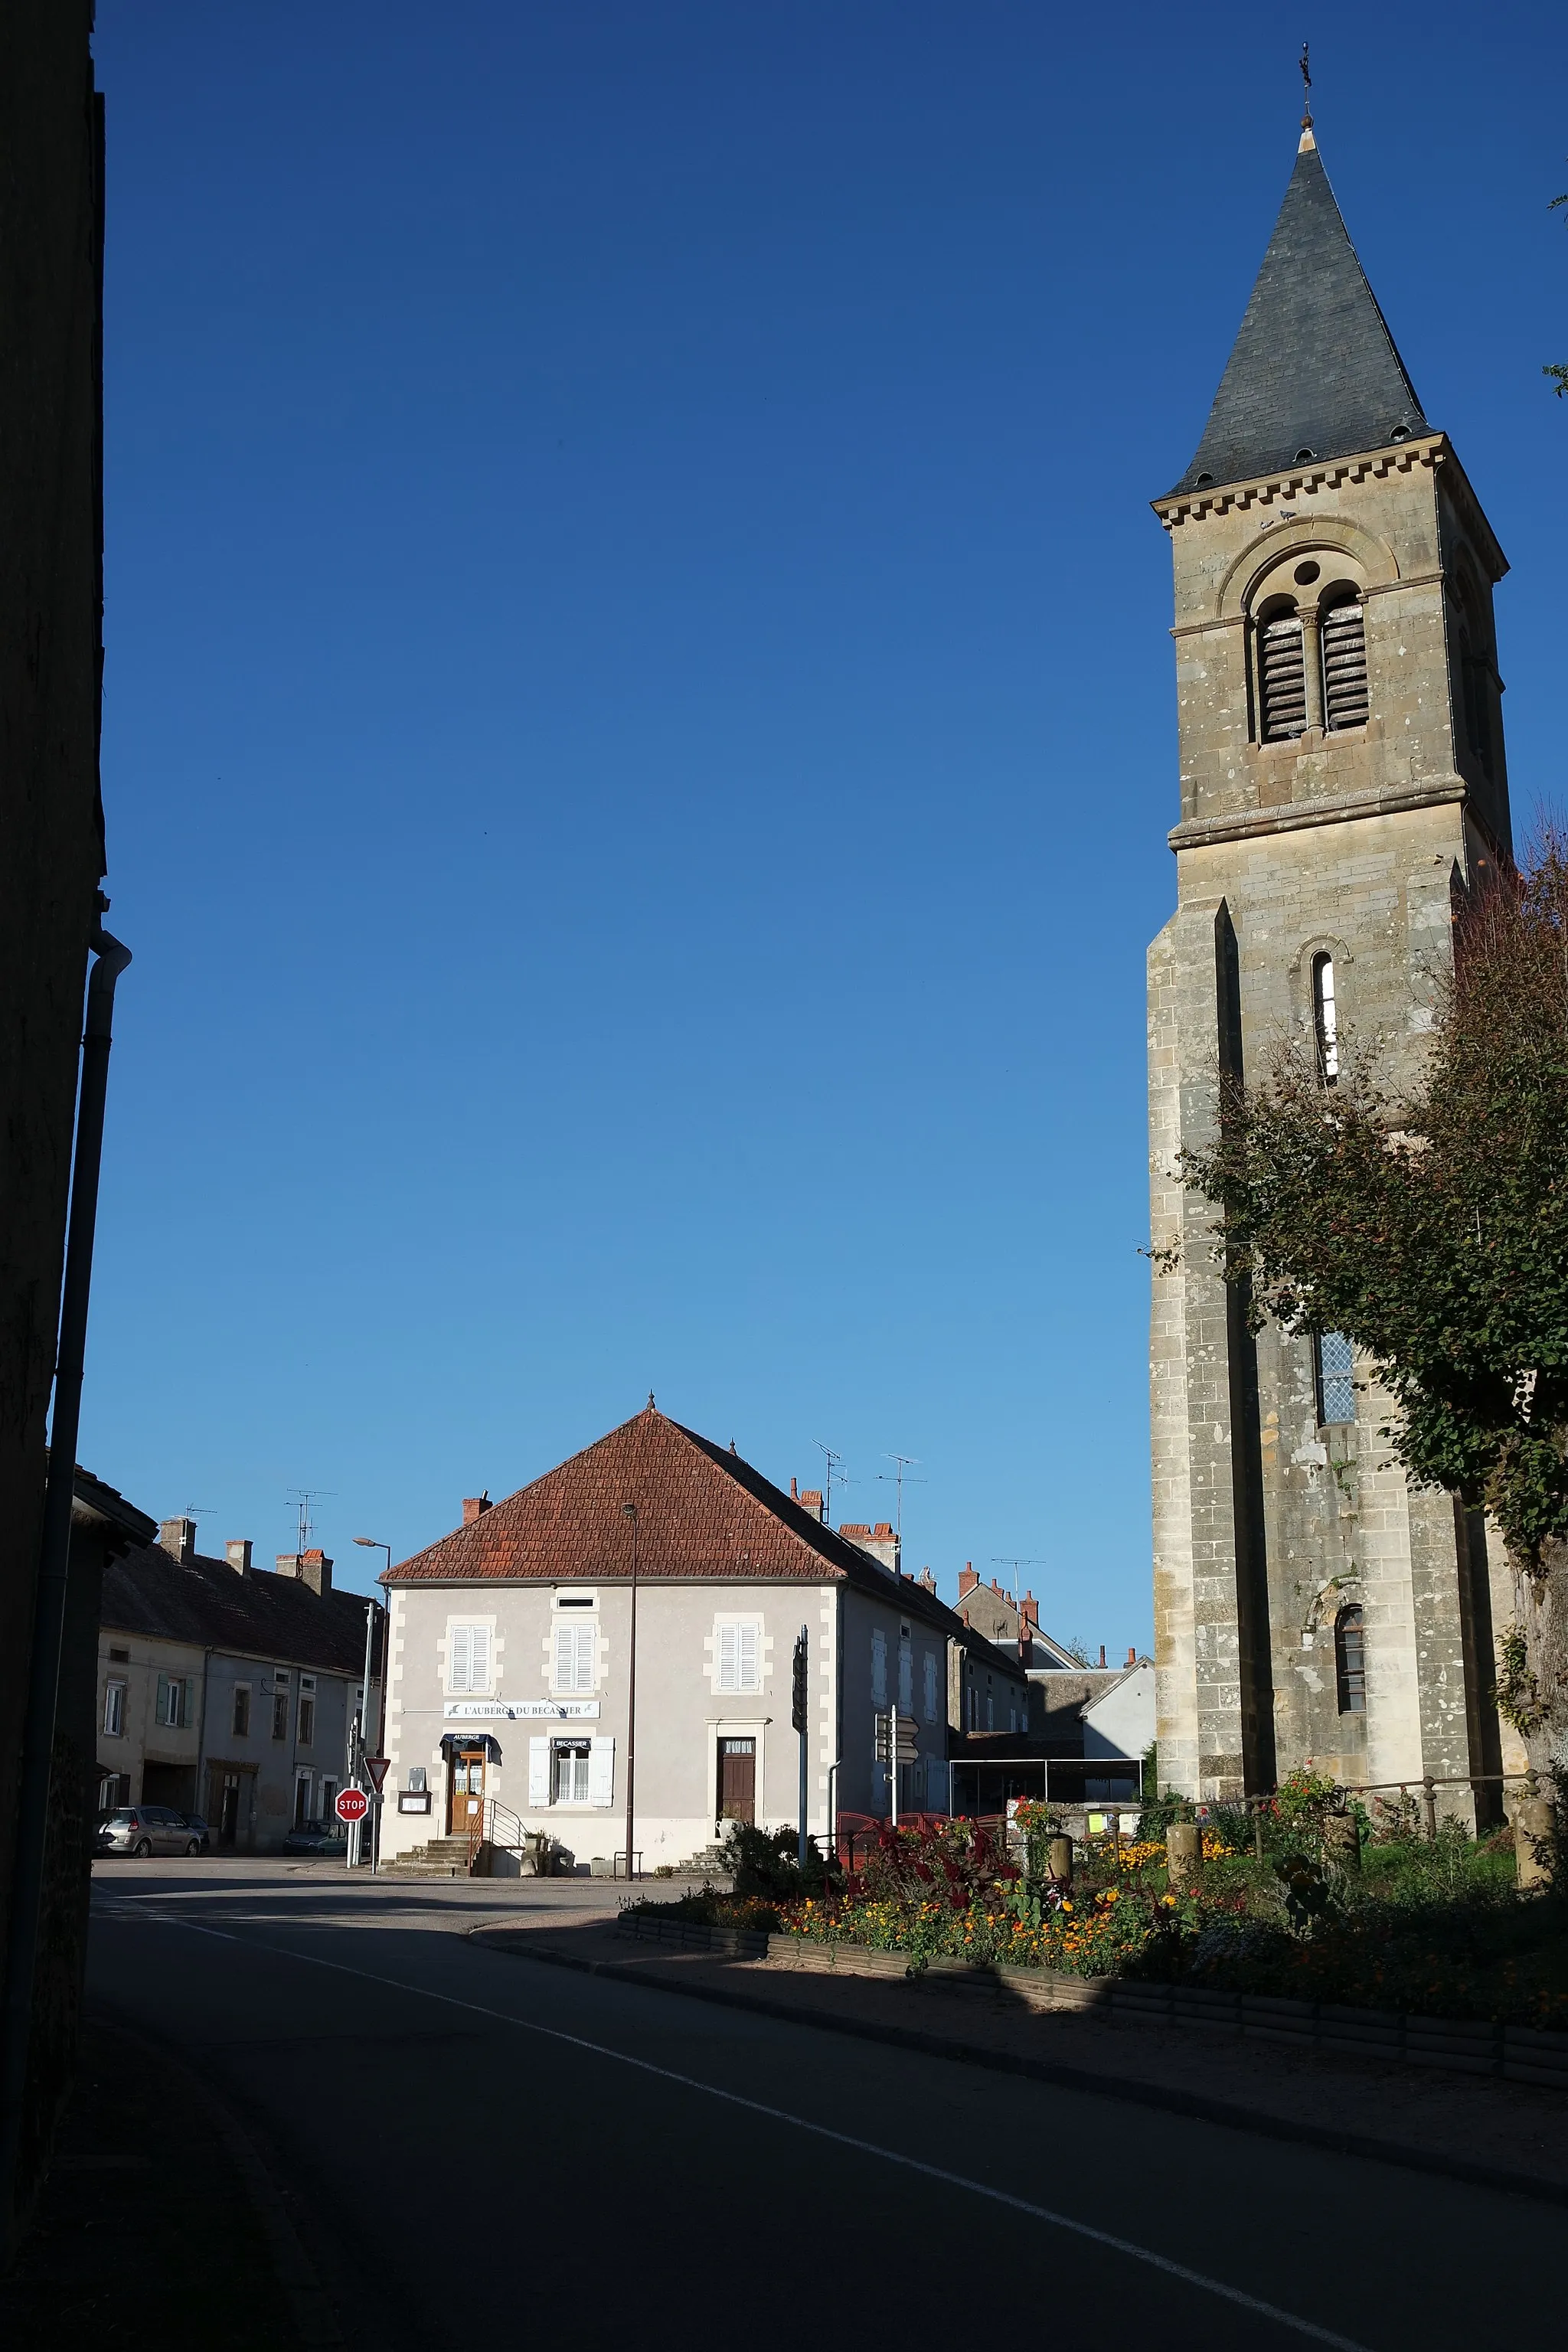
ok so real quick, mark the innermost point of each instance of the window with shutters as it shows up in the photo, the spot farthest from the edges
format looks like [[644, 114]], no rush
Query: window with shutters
[[1325, 1019], [1349, 1661], [114, 1709], [1281, 678], [570, 1772], [175, 1702], [738, 1646], [1336, 1383], [878, 1667], [575, 1655], [469, 1658], [1342, 633]]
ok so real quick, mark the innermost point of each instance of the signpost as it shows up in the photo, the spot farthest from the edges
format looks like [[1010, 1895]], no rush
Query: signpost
[[352, 1804], [799, 1715], [895, 1746]]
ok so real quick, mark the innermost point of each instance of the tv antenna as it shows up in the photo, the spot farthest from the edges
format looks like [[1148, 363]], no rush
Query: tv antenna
[[1010, 1559], [303, 1497], [833, 1462], [898, 1479]]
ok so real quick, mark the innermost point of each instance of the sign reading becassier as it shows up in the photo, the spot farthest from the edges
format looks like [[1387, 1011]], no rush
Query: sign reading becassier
[[522, 1710]]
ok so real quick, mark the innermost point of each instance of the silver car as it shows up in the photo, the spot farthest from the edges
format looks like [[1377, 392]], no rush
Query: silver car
[[141, 1830]]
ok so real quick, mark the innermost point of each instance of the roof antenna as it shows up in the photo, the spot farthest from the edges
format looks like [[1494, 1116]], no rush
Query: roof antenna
[[900, 1478], [1305, 62], [834, 1475]]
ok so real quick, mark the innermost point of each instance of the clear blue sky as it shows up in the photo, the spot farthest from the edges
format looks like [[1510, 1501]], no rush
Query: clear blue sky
[[639, 719]]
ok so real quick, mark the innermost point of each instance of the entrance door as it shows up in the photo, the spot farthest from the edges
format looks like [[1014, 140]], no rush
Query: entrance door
[[738, 1781], [224, 1805], [466, 1796]]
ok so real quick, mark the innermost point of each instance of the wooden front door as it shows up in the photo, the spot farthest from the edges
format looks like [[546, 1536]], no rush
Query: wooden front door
[[466, 1797], [738, 1781]]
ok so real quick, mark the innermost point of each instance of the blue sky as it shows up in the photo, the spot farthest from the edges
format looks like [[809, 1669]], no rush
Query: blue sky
[[639, 719]]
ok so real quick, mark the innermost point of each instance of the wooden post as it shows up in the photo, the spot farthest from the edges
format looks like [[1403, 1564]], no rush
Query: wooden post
[[1060, 1859], [1184, 1856]]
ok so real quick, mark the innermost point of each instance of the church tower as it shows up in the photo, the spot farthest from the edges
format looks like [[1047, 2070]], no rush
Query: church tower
[[1342, 776]]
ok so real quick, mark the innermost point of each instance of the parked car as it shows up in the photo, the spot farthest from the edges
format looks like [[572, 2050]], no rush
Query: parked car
[[317, 1837], [141, 1830]]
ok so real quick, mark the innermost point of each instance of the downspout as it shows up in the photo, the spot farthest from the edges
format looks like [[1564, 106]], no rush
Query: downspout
[[54, 1562]]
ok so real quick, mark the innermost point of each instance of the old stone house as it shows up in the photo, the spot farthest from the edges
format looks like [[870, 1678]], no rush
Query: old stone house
[[229, 1690], [1341, 777], [511, 1659]]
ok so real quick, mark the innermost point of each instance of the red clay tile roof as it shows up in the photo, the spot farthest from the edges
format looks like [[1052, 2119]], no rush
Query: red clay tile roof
[[701, 1512]]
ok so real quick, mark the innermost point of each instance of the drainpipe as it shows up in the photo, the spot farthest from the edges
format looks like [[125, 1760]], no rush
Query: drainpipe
[[54, 1562]]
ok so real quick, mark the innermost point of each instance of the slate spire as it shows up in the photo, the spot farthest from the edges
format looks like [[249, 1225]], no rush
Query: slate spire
[[1315, 372]]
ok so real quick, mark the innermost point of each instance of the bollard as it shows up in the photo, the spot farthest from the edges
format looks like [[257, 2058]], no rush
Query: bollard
[[1184, 1856], [1059, 1855], [1342, 1840], [1534, 1844]]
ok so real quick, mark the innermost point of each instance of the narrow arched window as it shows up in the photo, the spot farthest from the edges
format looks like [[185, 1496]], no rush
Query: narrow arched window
[[1343, 634], [1336, 1379], [1281, 679], [1325, 1019], [1349, 1661]]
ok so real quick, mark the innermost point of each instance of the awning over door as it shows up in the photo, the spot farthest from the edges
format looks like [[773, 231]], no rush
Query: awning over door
[[471, 1743]]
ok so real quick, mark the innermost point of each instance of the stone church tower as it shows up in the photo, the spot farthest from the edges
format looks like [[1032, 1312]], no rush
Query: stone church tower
[[1341, 775]]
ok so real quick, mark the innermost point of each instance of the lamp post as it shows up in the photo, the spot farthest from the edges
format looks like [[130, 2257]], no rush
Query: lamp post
[[370, 1543], [629, 1510]]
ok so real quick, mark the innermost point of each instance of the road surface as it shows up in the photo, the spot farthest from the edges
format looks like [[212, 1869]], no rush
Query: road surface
[[476, 2148]]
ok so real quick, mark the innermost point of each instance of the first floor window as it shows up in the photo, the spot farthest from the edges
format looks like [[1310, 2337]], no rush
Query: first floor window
[[174, 1696], [577, 1655], [242, 1710], [1336, 1384], [740, 1660], [280, 1688], [467, 1657], [114, 1709], [307, 1720]]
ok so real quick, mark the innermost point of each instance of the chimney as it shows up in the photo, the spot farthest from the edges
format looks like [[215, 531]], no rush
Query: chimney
[[810, 1500], [1032, 1610], [178, 1538], [1133, 1657], [1102, 1654], [473, 1504], [238, 1551], [879, 1543], [794, 1492], [967, 1579], [926, 1580], [311, 1568]]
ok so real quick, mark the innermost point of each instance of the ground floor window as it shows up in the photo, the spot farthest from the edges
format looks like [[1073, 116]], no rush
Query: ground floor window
[[304, 1785], [570, 1772]]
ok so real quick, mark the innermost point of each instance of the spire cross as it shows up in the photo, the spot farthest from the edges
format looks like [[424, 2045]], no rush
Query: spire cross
[[1305, 62]]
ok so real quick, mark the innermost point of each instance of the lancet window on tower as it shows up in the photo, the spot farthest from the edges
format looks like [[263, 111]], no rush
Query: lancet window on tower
[[1336, 1380], [1281, 678], [1325, 1019], [1342, 631], [1349, 1661]]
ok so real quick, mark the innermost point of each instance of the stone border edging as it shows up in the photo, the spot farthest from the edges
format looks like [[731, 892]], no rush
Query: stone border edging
[[1515, 2054], [513, 1941]]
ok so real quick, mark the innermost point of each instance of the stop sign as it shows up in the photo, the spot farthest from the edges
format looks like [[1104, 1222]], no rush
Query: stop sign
[[352, 1804]]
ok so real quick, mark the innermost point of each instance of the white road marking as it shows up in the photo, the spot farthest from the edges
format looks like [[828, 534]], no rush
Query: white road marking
[[801, 2123]]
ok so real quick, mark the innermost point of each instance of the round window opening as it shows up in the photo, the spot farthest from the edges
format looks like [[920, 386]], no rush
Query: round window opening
[[1304, 454], [1305, 573]]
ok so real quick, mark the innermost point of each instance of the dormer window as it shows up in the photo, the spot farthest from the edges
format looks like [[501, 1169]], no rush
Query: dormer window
[[1343, 632], [1325, 1019], [1281, 677]]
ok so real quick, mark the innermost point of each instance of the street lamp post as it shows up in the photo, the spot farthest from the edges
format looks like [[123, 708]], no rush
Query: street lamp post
[[629, 1510], [370, 1543]]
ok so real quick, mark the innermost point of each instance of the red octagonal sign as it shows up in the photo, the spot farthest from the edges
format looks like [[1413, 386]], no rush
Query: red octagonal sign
[[352, 1804]]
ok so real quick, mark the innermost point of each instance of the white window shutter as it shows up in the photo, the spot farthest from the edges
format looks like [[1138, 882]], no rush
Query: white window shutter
[[879, 1666], [930, 1686], [460, 1660], [728, 1656], [538, 1772], [587, 1642], [479, 1657], [602, 1769], [746, 1674], [566, 1657]]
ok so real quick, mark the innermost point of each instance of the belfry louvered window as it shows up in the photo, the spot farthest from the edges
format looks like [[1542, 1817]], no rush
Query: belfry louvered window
[[1281, 679], [1343, 634]]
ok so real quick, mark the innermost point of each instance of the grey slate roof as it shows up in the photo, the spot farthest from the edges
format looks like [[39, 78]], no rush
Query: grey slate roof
[[209, 1604], [1314, 367]]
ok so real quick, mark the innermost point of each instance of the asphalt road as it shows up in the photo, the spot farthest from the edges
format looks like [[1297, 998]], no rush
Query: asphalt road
[[475, 2147]]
